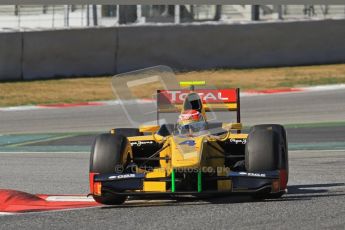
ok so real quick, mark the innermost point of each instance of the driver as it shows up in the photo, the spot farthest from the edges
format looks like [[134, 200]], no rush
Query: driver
[[191, 122]]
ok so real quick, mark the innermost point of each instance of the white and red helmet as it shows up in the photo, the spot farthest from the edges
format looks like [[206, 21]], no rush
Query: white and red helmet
[[190, 116], [191, 121]]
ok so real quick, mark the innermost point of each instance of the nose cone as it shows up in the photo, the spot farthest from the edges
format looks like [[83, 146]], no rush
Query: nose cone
[[186, 152]]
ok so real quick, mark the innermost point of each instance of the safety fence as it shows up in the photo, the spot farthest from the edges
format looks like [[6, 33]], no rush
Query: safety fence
[[24, 17]]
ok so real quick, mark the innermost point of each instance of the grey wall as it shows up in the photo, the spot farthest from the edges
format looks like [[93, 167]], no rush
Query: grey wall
[[77, 52], [85, 52], [10, 56], [234, 46]]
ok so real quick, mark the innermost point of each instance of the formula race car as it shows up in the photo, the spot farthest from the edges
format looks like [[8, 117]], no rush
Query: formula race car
[[192, 156]]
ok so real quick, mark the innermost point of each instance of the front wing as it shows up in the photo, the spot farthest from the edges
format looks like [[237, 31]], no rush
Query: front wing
[[132, 184]]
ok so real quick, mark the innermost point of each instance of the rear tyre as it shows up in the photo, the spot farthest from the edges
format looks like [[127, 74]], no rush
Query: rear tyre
[[266, 149], [110, 153]]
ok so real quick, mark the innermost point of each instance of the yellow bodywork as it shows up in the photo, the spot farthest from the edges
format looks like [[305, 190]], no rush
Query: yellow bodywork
[[155, 186], [188, 156]]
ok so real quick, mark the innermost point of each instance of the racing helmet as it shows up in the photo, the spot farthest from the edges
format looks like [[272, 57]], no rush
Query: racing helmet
[[190, 122]]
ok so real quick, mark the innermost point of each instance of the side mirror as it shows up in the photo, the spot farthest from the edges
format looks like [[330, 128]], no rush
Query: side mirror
[[232, 126], [149, 128]]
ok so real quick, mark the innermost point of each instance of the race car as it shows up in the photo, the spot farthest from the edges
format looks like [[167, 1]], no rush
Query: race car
[[192, 156]]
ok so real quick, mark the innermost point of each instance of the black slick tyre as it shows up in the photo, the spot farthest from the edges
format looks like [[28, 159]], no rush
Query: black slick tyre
[[109, 154], [266, 150]]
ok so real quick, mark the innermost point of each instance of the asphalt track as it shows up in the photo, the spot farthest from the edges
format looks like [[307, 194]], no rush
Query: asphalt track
[[315, 199], [316, 186], [302, 107], [327, 136]]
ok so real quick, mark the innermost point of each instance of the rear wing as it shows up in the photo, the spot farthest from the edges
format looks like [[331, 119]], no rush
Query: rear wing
[[171, 101]]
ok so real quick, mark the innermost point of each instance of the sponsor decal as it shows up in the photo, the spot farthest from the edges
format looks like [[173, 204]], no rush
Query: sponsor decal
[[188, 142], [122, 176], [238, 141], [252, 174], [207, 96], [139, 143]]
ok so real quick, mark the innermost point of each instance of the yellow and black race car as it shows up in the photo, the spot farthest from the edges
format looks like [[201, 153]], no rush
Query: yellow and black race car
[[190, 157]]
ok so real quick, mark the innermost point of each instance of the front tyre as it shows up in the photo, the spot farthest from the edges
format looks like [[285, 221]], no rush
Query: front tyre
[[109, 151], [266, 150]]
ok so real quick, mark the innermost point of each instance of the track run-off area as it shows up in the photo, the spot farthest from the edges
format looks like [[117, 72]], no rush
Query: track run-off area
[[46, 152]]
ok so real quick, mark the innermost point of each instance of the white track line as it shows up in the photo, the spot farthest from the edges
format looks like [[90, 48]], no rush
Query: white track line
[[324, 87], [127, 203], [19, 108], [48, 211], [67, 198], [61, 198], [70, 198], [6, 213]]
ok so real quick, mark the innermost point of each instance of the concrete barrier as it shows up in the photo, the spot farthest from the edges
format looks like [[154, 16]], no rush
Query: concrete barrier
[[232, 46], [78, 52], [100, 51], [10, 56]]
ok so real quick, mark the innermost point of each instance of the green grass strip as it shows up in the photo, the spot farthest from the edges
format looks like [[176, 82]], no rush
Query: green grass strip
[[307, 125], [316, 124], [46, 149], [41, 140], [317, 146]]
